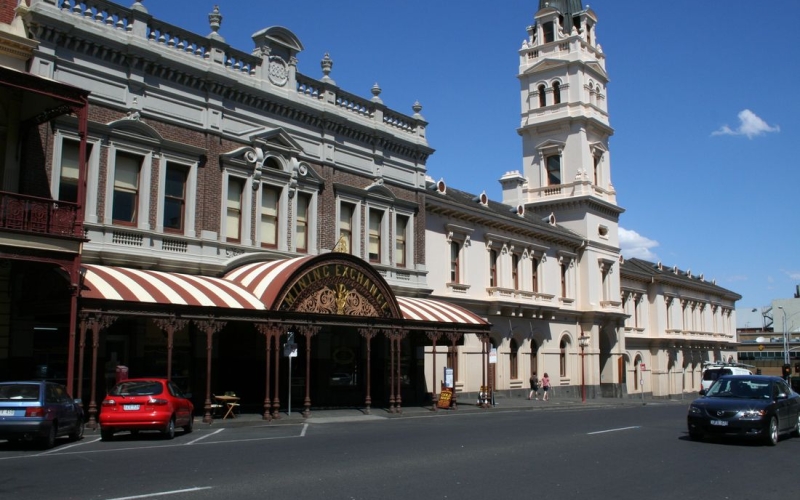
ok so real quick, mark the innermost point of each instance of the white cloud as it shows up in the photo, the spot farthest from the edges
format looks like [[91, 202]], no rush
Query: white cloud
[[634, 245], [794, 275], [749, 124]]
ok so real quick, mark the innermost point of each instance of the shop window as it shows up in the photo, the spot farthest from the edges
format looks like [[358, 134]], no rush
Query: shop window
[[125, 203]]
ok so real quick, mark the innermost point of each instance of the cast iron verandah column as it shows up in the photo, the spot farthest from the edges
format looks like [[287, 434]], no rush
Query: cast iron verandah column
[[210, 327], [454, 337], [434, 336], [368, 334], [84, 322], [307, 332], [270, 331], [98, 323], [170, 325]]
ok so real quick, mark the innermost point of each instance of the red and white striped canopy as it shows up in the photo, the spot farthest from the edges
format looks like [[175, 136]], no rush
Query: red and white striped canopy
[[156, 287], [437, 311]]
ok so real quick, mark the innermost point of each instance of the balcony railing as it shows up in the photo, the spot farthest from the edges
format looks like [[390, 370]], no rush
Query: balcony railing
[[39, 215]]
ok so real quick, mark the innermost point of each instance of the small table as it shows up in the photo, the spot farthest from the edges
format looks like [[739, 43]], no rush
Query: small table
[[230, 403]]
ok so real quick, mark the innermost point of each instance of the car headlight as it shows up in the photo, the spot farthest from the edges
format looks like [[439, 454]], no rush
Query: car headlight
[[694, 410], [752, 414]]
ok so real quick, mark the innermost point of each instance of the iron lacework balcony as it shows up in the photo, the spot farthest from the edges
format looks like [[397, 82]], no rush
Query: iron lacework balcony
[[44, 216]]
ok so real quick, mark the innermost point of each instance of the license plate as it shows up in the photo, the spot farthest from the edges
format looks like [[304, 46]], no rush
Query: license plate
[[721, 423], [7, 413], [130, 407]]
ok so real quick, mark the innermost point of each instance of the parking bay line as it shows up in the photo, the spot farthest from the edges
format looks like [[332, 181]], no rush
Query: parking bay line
[[203, 437], [162, 493], [613, 430]]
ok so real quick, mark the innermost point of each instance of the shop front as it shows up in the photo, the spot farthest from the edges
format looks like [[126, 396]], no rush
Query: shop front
[[310, 332]]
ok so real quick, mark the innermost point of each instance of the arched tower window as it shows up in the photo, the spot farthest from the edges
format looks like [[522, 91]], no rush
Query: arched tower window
[[542, 97], [556, 93]]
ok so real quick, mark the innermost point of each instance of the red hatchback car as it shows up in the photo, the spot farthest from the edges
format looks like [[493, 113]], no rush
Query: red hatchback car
[[145, 404]]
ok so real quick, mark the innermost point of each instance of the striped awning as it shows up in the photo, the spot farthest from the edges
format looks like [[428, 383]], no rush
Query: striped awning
[[156, 287], [264, 279], [437, 311]]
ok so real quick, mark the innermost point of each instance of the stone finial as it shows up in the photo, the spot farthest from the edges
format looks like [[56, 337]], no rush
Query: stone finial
[[215, 21], [327, 65], [417, 107], [137, 5], [376, 92]]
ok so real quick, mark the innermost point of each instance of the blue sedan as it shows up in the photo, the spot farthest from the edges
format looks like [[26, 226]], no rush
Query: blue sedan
[[39, 411], [747, 406]]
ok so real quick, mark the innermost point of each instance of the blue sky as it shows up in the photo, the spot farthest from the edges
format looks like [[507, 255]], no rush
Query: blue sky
[[703, 99]]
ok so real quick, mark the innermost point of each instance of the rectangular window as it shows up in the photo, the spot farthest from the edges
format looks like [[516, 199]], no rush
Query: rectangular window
[[515, 270], [375, 221], [346, 211], [233, 224], [270, 197], [126, 188], [549, 32], [454, 262], [492, 268], [68, 184], [400, 241], [564, 279], [535, 274], [174, 197], [553, 170], [301, 222]]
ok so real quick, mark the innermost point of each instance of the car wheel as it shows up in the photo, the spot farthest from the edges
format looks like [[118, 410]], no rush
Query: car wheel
[[190, 426], [169, 432], [771, 436], [77, 433], [695, 435], [796, 430], [106, 434], [50, 439]]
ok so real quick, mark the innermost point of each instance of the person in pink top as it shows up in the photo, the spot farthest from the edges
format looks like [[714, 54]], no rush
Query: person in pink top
[[546, 387]]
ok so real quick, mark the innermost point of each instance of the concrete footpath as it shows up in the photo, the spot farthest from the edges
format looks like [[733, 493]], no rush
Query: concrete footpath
[[322, 416]]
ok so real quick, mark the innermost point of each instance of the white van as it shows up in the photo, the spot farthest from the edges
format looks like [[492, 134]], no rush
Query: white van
[[712, 372]]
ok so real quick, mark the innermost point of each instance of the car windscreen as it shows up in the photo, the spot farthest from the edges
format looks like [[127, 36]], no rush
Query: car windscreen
[[138, 388], [733, 387], [19, 392]]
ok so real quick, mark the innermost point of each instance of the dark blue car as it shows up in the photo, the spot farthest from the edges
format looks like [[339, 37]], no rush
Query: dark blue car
[[756, 406], [38, 411]]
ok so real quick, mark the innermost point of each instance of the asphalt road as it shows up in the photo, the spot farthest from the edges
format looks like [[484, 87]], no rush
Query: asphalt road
[[639, 452]]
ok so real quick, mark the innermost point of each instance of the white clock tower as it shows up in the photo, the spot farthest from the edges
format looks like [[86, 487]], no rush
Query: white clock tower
[[565, 129]]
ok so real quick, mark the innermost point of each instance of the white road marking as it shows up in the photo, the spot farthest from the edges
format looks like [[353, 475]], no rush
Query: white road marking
[[613, 430], [203, 437], [174, 492], [303, 432], [61, 448]]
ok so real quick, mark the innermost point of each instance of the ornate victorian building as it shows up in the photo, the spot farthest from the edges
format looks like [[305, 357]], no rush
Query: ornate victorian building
[[222, 207]]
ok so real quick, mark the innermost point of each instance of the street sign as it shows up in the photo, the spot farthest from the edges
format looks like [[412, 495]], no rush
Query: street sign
[[493, 355], [289, 350], [642, 367]]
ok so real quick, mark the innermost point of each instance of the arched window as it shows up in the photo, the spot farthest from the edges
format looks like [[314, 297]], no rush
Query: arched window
[[513, 360], [556, 93], [636, 365], [562, 356], [542, 97]]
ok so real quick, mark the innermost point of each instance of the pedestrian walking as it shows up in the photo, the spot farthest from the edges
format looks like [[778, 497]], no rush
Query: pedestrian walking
[[546, 387], [534, 387]]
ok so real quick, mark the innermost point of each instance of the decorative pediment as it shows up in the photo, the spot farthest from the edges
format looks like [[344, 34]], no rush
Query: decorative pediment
[[277, 140], [133, 127], [595, 66], [545, 64]]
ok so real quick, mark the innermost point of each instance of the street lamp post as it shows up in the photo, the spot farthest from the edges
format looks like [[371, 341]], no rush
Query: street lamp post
[[583, 341], [785, 338]]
